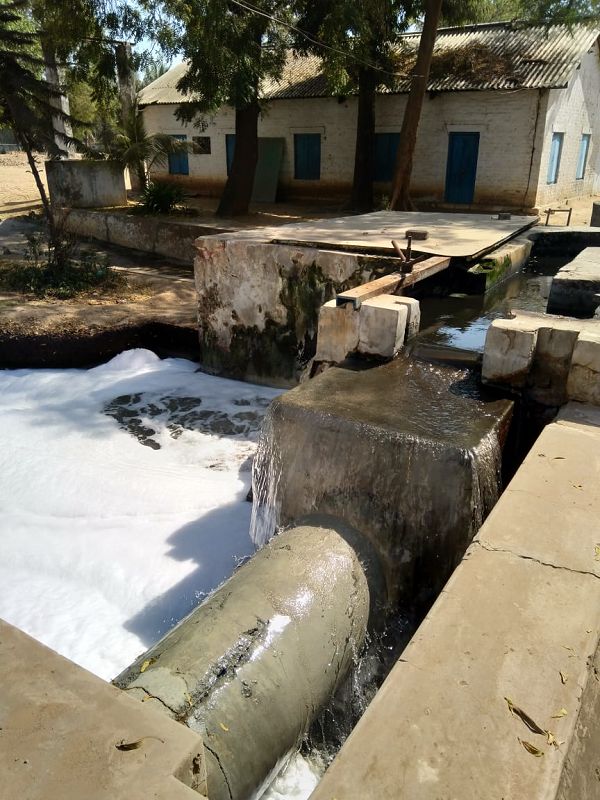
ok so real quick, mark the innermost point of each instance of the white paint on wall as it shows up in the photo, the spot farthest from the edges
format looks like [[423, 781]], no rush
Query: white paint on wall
[[514, 126], [573, 111]]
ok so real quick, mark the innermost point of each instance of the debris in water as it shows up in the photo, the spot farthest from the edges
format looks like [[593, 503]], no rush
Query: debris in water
[[126, 746], [531, 748], [525, 718]]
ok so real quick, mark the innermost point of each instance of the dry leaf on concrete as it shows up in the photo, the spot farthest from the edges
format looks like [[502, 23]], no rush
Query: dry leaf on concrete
[[532, 749], [560, 713], [525, 718], [125, 746], [146, 664], [563, 677]]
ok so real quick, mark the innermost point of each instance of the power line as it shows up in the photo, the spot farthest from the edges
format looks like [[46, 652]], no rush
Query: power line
[[249, 7]]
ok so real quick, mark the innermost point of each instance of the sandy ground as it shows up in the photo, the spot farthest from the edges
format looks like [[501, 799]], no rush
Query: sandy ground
[[18, 192], [158, 292]]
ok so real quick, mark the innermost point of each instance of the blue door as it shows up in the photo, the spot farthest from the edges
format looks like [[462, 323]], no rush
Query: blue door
[[386, 147], [307, 156], [461, 168], [178, 162], [229, 150]]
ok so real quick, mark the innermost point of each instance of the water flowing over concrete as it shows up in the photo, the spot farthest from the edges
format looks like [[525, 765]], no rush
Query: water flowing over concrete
[[252, 666], [407, 453]]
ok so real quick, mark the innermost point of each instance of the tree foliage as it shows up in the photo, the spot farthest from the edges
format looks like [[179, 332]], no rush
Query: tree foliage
[[231, 47], [357, 45]]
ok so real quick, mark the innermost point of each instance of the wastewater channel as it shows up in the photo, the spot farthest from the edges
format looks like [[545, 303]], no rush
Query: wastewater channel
[[126, 490]]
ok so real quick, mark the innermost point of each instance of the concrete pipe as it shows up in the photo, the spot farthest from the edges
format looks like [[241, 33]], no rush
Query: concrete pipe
[[253, 665]]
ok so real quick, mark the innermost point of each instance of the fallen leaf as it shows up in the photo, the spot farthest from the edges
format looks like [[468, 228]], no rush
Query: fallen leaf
[[560, 713], [577, 485], [525, 718], [597, 551], [125, 746], [563, 677], [147, 664], [532, 749], [559, 458], [224, 727], [551, 739]]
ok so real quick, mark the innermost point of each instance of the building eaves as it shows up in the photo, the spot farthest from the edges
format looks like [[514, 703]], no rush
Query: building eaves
[[494, 56]]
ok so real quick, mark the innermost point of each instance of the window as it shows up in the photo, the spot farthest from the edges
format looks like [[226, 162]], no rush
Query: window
[[201, 145], [307, 156], [555, 154], [178, 162], [386, 147], [584, 148]]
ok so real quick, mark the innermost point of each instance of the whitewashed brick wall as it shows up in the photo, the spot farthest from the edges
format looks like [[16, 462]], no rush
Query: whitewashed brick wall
[[573, 111], [514, 126]]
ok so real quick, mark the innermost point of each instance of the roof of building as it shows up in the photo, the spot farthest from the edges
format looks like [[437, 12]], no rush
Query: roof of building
[[498, 55]]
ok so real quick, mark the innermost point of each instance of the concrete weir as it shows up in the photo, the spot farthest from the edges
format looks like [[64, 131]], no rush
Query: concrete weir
[[252, 666], [407, 453]]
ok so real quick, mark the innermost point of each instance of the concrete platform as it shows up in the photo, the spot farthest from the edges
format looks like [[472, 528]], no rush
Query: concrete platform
[[576, 286], [520, 618], [60, 728], [460, 235]]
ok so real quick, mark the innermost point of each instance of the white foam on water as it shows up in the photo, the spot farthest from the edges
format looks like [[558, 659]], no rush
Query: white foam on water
[[106, 543], [296, 781]]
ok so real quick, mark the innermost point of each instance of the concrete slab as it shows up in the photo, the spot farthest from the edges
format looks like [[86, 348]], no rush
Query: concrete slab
[[440, 728], [60, 727], [574, 287], [460, 235], [562, 471], [583, 383], [519, 618]]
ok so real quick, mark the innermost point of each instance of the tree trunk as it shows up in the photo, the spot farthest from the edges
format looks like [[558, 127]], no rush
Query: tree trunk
[[23, 141], [60, 126], [408, 135], [126, 80], [235, 199], [364, 155]]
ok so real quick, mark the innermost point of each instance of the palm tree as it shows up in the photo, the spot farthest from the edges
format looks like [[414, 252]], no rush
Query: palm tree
[[135, 148], [27, 100]]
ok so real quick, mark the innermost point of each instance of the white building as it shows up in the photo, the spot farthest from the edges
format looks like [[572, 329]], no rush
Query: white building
[[511, 120]]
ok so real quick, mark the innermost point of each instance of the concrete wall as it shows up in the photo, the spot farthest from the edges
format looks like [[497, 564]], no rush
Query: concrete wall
[[573, 111], [519, 619], [86, 184], [506, 121], [148, 234]]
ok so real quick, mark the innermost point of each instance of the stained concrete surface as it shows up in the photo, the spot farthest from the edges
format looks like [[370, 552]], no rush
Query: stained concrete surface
[[519, 619], [60, 728], [463, 235], [406, 453]]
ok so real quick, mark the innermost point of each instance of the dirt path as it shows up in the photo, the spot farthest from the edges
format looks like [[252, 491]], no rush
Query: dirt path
[[157, 294]]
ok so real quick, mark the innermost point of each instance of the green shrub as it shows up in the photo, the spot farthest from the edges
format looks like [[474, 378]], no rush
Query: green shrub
[[53, 271], [161, 198]]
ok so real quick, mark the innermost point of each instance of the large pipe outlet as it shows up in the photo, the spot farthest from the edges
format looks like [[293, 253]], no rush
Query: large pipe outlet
[[253, 665]]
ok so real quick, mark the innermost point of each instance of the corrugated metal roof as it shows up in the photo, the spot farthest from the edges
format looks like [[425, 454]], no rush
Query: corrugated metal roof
[[500, 55]]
